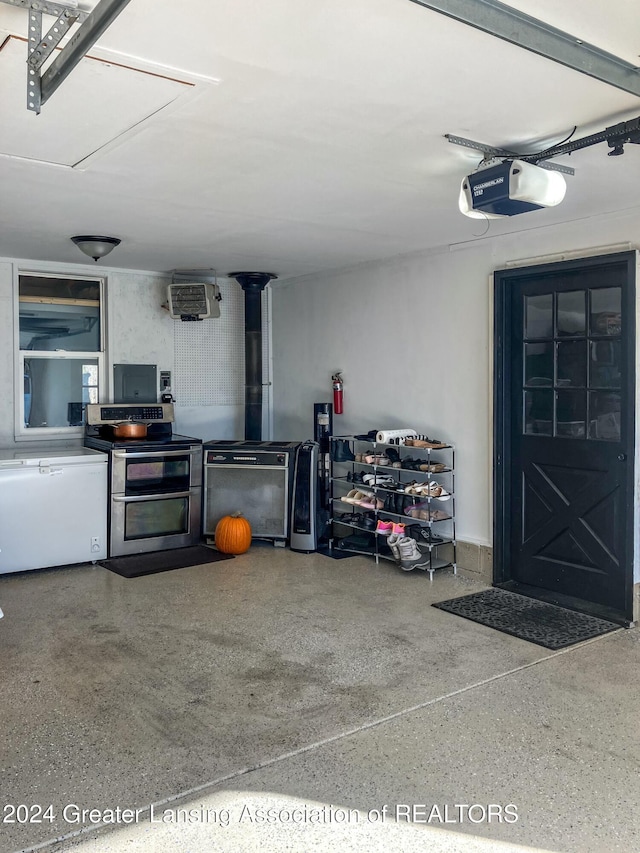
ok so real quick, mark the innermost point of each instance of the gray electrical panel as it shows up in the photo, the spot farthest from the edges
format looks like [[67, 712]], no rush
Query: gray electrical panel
[[135, 383]]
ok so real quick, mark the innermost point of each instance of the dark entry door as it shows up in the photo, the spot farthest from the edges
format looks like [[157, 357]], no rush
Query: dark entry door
[[565, 380]]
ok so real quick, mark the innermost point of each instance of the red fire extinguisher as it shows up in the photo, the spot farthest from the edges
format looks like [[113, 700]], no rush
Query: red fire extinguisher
[[337, 393]]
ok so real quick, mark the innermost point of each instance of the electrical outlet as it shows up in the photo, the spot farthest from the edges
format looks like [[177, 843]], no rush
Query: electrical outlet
[[95, 543]]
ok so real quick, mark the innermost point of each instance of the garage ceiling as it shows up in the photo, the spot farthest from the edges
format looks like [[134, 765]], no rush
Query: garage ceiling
[[292, 136]]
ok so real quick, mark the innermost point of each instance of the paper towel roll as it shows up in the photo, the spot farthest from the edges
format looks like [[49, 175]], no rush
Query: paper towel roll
[[385, 436]]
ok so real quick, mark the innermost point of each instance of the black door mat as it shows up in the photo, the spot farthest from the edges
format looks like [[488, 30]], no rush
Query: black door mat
[[527, 618], [136, 565]]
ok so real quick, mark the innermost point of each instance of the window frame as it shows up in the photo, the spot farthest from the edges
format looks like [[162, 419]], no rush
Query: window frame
[[21, 431]]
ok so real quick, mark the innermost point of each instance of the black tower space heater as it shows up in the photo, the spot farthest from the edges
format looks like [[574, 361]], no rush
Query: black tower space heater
[[304, 506], [323, 430]]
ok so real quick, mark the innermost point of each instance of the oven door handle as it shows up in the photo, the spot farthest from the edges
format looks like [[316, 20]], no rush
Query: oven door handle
[[156, 497], [159, 453]]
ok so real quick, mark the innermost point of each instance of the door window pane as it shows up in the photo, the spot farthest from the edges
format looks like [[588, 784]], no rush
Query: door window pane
[[604, 416], [571, 414], [605, 364], [539, 316], [53, 391], [538, 361], [572, 363], [538, 412], [572, 318], [604, 318]]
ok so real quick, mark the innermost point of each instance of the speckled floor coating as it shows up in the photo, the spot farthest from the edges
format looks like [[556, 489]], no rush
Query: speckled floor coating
[[300, 681]]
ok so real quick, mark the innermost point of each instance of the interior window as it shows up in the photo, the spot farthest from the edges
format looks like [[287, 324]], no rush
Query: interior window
[[60, 352]]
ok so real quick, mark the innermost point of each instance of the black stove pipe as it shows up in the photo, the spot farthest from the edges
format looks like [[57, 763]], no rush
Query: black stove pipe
[[253, 283]]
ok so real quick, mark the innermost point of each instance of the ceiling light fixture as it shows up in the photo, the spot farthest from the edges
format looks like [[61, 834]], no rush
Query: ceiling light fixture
[[96, 247]]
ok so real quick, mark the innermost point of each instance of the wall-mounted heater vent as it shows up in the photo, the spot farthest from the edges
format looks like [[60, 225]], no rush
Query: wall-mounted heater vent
[[193, 301]]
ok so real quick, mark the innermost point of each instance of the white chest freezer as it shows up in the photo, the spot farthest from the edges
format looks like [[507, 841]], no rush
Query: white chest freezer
[[53, 507]]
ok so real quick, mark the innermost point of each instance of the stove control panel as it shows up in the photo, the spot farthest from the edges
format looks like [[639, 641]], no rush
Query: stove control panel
[[142, 413], [115, 413]]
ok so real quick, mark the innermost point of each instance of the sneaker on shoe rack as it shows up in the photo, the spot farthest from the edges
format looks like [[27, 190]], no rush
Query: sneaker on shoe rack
[[399, 529], [392, 542], [410, 556], [384, 528]]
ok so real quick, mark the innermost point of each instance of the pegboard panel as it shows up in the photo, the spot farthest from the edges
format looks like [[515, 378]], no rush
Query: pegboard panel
[[209, 354]]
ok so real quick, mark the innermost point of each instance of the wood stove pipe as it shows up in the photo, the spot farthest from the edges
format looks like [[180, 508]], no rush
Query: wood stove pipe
[[253, 283]]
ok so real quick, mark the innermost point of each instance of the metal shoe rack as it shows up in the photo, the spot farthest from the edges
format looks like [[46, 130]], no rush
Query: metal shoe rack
[[432, 518]]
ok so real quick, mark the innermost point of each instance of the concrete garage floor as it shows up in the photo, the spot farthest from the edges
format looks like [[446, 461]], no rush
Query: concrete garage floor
[[329, 690]]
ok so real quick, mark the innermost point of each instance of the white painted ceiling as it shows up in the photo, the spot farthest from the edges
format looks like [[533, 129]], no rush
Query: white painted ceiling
[[293, 136]]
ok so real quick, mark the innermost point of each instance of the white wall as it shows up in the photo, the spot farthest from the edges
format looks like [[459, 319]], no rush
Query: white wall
[[412, 337], [140, 331]]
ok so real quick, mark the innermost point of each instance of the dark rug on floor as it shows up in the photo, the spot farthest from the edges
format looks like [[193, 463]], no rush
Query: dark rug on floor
[[526, 618], [136, 565]]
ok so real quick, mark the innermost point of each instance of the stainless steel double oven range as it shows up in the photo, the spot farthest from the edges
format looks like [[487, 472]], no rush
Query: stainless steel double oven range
[[155, 483]]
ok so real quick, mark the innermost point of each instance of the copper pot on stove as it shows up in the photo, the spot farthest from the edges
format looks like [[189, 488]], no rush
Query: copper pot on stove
[[130, 429]]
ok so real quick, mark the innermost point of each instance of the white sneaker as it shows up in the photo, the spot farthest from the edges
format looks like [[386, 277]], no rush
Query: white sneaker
[[410, 556], [392, 541]]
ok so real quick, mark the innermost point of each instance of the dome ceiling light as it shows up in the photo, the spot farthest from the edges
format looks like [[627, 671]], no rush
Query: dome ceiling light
[[96, 247]]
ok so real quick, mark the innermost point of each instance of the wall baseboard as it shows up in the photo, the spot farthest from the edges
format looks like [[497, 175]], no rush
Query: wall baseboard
[[475, 561]]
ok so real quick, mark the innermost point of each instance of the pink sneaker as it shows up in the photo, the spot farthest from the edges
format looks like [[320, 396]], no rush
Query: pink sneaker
[[385, 528], [398, 529]]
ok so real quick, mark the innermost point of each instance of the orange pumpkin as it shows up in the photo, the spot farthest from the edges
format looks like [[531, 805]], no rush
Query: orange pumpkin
[[233, 534]]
